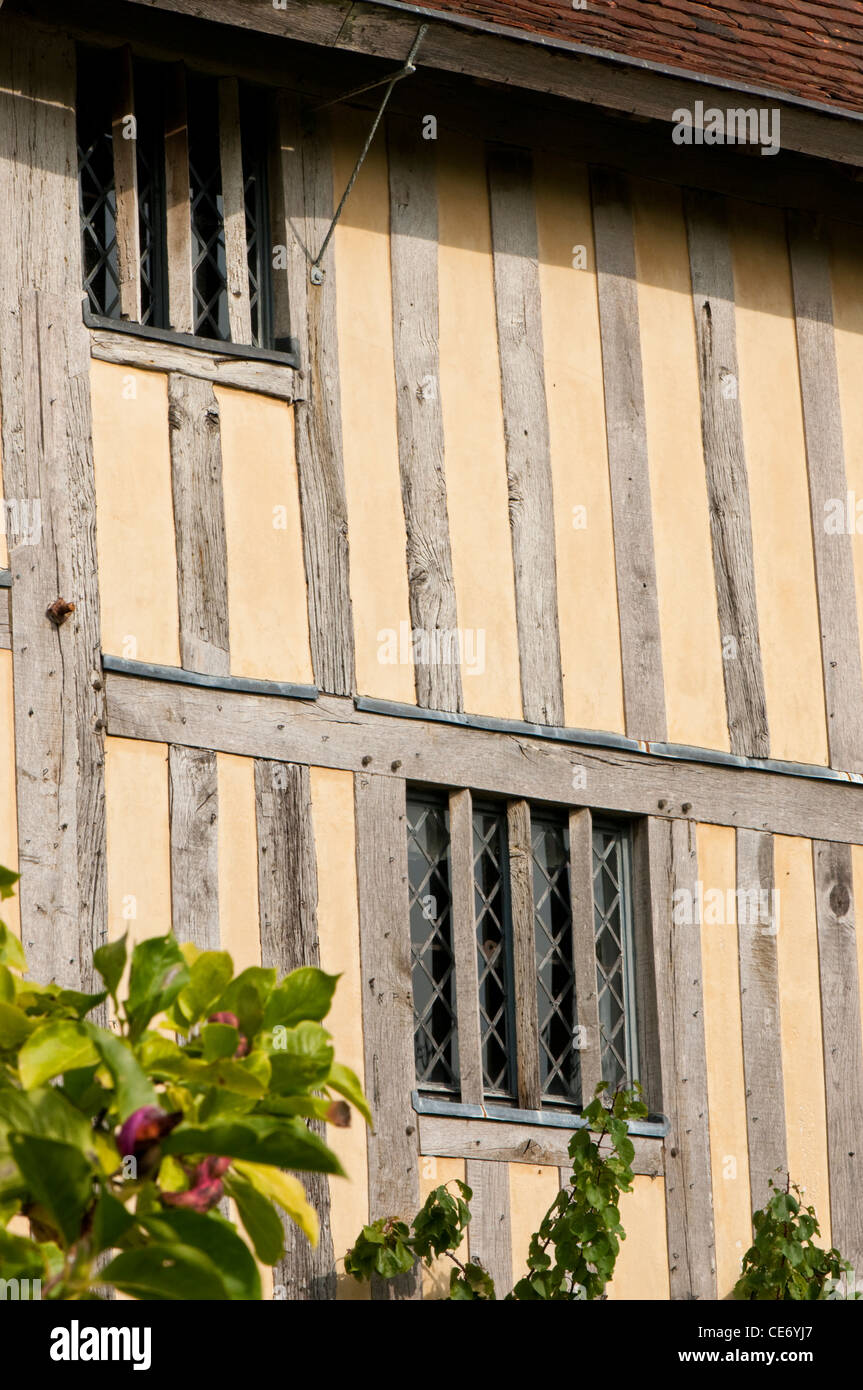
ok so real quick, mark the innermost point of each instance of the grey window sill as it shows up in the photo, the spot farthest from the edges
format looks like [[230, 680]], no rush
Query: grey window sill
[[654, 1127]]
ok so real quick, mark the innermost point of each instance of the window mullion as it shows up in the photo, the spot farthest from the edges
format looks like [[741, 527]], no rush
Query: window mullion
[[524, 955], [234, 211], [584, 950], [464, 945], [125, 145], [181, 310]]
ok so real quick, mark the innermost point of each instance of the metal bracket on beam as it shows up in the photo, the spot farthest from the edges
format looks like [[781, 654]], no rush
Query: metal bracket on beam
[[316, 274]]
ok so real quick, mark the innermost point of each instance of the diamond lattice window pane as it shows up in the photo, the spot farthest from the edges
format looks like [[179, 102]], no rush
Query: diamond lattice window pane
[[96, 195], [433, 966], [560, 1071], [494, 953], [613, 951]]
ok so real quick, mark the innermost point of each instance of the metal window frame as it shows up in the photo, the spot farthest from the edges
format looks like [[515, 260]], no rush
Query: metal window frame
[[440, 800], [488, 806], [560, 821], [622, 830]]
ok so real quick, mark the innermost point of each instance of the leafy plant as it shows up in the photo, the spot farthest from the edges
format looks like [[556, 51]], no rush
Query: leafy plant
[[784, 1263], [572, 1255], [125, 1140]]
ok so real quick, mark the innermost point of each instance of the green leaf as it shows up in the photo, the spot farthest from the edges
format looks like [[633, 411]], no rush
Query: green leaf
[[133, 1089], [15, 1026], [7, 985], [110, 961], [209, 975], [59, 1177], [305, 994], [247, 996], [7, 881], [347, 1083], [11, 950], [111, 1221], [216, 1239], [20, 1257], [158, 973], [256, 1138], [300, 1057], [52, 1049], [164, 1272], [260, 1219], [219, 1040], [285, 1189]]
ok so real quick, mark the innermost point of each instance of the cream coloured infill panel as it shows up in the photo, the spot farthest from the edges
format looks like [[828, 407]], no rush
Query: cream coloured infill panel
[[9, 912], [267, 604], [438, 1172], [477, 494], [138, 838], [376, 523], [531, 1192], [239, 923], [778, 487], [584, 537], [689, 621], [135, 514], [642, 1265]]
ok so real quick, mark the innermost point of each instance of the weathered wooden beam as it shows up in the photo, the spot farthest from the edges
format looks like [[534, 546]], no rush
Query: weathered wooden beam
[[194, 815], [124, 136], [626, 428], [178, 213], [727, 480], [584, 950], [234, 211], [825, 456], [47, 461], [465, 946], [288, 905], [388, 1015], [332, 732], [149, 355], [199, 519], [413, 258], [489, 1234], [525, 419], [523, 954], [306, 196], [757, 925], [677, 973], [843, 1051], [496, 1141]]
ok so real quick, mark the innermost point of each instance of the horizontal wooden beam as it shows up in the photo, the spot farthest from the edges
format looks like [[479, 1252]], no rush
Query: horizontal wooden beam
[[495, 1140], [332, 732]]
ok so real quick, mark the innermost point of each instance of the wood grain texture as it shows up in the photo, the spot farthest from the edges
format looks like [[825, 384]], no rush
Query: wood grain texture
[[725, 464], [264, 378], [489, 1235], [497, 1141], [584, 950], [125, 146], [523, 955], [464, 946], [234, 211], [199, 520], [332, 732], [388, 1012], [194, 815], [525, 419], [413, 259], [626, 428], [843, 1051], [287, 904], [305, 195], [673, 869], [825, 459], [757, 924], [178, 217], [47, 460]]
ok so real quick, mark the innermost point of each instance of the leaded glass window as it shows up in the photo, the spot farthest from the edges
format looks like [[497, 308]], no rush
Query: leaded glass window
[[615, 979], [435, 1035], [560, 1072], [96, 194], [494, 951]]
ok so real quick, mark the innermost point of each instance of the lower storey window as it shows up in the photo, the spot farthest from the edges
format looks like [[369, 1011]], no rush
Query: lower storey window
[[542, 1005]]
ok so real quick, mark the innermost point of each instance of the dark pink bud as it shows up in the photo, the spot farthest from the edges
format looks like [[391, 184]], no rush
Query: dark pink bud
[[215, 1167], [339, 1114], [140, 1134], [202, 1197]]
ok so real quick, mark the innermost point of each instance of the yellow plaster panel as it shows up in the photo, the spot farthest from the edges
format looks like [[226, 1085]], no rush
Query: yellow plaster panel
[[239, 930], [642, 1265], [8, 800], [847, 276], [800, 1021], [477, 494], [376, 523], [437, 1172], [138, 838], [531, 1193], [135, 514], [267, 605], [586, 580], [723, 1037], [689, 621], [778, 488], [338, 931]]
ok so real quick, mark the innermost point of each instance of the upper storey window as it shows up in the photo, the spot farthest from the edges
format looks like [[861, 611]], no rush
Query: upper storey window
[[174, 198]]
